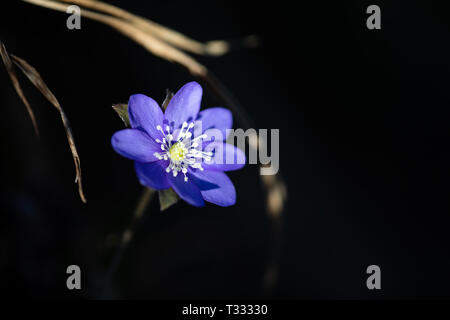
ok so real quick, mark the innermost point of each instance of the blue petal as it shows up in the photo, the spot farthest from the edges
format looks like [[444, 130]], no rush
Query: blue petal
[[152, 174], [213, 118], [184, 105], [145, 114], [215, 187], [135, 145], [188, 191], [226, 157]]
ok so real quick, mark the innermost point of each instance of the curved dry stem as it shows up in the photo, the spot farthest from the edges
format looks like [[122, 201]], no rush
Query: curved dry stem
[[39, 83], [15, 81], [36, 79]]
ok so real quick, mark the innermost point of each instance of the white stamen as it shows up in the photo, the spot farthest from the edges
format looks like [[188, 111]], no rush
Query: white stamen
[[185, 154]]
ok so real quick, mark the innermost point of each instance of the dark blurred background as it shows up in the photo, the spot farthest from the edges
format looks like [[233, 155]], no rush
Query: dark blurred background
[[363, 118]]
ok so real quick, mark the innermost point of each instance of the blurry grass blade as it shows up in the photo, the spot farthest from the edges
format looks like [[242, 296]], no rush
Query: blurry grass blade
[[153, 44], [39, 83], [167, 198], [175, 38], [12, 74], [122, 111]]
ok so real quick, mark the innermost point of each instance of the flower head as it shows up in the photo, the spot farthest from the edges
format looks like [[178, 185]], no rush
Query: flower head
[[182, 149]]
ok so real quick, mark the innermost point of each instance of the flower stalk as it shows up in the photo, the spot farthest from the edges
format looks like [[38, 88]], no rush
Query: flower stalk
[[127, 235]]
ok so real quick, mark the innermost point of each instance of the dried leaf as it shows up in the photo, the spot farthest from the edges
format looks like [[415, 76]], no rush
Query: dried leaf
[[122, 111], [39, 83], [167, 198]]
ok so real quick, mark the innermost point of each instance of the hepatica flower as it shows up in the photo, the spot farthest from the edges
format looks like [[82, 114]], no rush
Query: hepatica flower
[[183, 148]]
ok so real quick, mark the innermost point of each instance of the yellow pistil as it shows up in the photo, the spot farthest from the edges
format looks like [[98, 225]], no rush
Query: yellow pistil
[[177, 152]]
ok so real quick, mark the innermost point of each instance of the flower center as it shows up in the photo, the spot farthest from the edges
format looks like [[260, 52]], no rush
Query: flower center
[[177, 152], [183, 152]]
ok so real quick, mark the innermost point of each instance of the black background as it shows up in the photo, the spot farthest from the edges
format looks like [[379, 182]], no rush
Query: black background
[[363, 118]]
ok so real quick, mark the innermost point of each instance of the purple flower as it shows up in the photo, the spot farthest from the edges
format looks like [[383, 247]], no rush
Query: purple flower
[[183, 148]]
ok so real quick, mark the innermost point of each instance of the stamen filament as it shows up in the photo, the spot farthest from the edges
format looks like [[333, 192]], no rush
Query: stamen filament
[[183, 152]]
